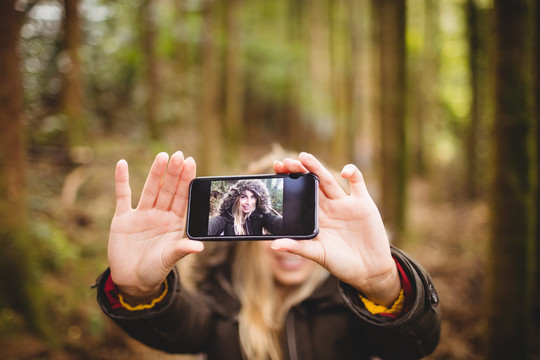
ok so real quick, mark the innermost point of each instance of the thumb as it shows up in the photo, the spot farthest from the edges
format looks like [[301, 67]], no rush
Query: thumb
[[123, 191], [180, 249], [308, 249]]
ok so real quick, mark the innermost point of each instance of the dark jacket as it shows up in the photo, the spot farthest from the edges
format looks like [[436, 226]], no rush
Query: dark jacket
[[257, 220], [331, 324]]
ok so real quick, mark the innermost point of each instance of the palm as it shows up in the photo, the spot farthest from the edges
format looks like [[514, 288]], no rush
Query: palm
[[137, 243], [352, 236]]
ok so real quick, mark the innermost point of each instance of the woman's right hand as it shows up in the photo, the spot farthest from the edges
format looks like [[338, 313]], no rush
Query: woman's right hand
[[146, 242]]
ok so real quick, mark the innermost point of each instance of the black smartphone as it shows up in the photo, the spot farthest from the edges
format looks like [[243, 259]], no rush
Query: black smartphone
[[253, 207]]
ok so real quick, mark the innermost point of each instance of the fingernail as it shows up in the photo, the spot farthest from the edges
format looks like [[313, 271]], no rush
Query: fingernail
[[278, 248]]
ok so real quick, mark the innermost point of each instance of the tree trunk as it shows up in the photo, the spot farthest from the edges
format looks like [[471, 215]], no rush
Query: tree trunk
[[290, 123], [234, 83], [150, 69], [477, 59], [12, 162], [341, 142], [18, 283], [320, 74], [426, 101], [390, 15], [511, 258], [362, 83], [72, 96], [210, 146], [536, 72]]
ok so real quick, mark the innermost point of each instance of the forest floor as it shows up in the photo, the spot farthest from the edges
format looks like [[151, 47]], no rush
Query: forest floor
[[447, 237]]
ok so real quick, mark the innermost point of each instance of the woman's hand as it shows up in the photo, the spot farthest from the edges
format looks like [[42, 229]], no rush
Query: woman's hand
[[146, 242], [352, 243]]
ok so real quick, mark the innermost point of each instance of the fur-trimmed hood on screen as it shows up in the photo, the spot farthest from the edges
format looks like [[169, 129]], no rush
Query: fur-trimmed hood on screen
[[255, 186]]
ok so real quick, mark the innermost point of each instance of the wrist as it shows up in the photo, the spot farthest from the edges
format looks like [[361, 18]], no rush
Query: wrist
[[395, 310], [383, 290], [134, 297]]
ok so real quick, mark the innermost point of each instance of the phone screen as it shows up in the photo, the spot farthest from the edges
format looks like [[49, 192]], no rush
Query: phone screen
[[257, 207]]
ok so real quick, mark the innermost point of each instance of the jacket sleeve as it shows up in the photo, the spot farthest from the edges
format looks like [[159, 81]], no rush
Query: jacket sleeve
[[216, 225], [181, 323], [273, 223], [413, 335]]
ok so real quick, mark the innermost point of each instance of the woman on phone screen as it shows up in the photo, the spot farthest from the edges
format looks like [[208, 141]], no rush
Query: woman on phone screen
[[246, 209]]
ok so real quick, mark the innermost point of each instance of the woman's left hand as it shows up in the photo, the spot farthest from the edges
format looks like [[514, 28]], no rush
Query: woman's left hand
[[352, 243]]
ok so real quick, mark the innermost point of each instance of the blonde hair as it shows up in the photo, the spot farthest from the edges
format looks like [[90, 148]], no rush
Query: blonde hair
[[263, 313], [239, 216]]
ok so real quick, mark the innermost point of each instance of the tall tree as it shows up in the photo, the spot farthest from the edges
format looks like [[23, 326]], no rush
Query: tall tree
[[536, 69], [18, 284], [210, 145], [341, 142], [362, 82], [148, 36], [511, 258], [234, 83], [425, 86], [390, 22], [72, 94], [290, 124], [477, 60], [320, 71]]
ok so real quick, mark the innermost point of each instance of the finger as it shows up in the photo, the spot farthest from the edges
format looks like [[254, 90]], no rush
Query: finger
[[327, 183], [169, 184], [153, 182], [293, 166], [306, 248], [356, 180], [180, 200], [123, 191], [279, 168]]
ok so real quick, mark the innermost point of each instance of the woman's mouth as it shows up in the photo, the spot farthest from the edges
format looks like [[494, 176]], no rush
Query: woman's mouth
[[290, 261]]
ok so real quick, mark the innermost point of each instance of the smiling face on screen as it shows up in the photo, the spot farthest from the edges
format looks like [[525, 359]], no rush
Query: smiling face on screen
[[248, 201]]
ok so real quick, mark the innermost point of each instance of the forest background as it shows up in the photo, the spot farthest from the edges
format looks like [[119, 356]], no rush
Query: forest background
[[435, 101]]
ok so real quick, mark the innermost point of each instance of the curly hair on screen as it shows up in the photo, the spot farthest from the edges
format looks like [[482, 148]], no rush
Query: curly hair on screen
[[231, 201]]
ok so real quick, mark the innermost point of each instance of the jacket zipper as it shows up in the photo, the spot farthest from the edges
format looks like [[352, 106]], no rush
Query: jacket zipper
[[291, 337]]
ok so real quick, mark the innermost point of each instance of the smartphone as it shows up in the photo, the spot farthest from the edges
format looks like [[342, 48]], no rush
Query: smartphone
[[253, 207]]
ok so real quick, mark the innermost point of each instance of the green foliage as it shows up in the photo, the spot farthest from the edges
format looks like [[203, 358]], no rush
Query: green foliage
[[42, 61], [455, 86], [56, 251], [21, 292], [111, 54], [275, 188]]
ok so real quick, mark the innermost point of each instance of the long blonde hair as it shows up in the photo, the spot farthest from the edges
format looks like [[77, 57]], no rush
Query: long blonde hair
[[239, 217], [263, 313]]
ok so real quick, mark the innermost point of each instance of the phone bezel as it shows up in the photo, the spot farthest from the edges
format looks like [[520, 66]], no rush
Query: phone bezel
[[195, 208]]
